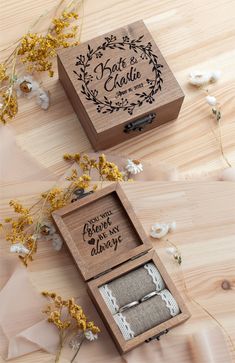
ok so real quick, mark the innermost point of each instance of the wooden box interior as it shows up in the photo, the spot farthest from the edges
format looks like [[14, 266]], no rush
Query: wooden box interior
[[93, 289]]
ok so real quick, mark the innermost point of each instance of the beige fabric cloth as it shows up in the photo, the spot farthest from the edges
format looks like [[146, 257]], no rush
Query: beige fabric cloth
[[133, 286], [146, 315], [23, 328]]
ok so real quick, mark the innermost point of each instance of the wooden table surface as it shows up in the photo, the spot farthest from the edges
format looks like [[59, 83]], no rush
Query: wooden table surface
[[204, 213], [191, 35]]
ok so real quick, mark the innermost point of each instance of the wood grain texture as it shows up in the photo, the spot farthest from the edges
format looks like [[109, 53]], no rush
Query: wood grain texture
[[191, 35], [116, 79], [204, 213]]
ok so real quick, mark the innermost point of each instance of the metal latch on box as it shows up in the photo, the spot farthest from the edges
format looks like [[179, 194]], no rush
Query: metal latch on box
[[157, 337], [139, 124]]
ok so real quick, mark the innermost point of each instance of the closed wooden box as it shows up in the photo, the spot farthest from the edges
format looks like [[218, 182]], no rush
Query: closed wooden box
[[107, 241], [120, 85]]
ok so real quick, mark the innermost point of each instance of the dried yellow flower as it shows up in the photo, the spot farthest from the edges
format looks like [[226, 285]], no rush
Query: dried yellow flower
[[3, 75], [37, 50], [8, 105], [68, 317]]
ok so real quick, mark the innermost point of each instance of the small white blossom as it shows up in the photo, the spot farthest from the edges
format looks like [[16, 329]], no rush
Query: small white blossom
[[159, 230], [19, 248], [90, 336], [171, 250], [57, 242], [199, 78], [47, 229], [134, 166], [26, 86], [172, 226], [43, 99], [215, 76], [211, 100]]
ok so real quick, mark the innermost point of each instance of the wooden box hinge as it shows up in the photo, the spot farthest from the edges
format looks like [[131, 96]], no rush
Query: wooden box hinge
[[139, 255], [102, 273]]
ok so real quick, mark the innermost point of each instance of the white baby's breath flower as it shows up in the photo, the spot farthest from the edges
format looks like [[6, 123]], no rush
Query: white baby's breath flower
[[211, 100], [90, 336], [57, 242], [215, 76], [171, 250], [47, 230], [19, 248], [199, 78], [159, 230], [134, 166], [172, 226], [26, 86], [43, 99]]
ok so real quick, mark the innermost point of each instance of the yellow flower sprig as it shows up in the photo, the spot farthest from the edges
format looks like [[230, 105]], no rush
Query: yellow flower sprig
[[35, 51], [25, 229], [107, 170], [69, 318]]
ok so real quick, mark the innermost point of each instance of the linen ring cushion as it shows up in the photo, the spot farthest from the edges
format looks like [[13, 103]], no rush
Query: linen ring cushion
[[131, 287]]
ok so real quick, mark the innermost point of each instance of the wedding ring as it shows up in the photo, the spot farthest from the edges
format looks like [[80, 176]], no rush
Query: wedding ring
[[128, 306], [148, 296]]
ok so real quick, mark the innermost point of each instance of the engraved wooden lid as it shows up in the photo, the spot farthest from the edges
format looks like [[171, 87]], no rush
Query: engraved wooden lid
[[118, 77], [101, 231]]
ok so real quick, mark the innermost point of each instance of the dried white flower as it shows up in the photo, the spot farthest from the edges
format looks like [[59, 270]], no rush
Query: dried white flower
[[159, 230], [172, 226], [211, 100], [215, 76], [134, 166], [57, 242], [43, 99], [26, 86], [19, 248], [76, 341], [199, 78], [171, 250], [90, 336]]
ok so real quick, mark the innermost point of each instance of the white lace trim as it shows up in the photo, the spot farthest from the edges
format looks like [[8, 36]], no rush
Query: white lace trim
[[171, 304], [156, 277], [124, 326], [108, 297]]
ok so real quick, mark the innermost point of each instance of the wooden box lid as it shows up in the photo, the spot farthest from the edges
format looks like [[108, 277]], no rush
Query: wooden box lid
[[116, 78], [101, 231]]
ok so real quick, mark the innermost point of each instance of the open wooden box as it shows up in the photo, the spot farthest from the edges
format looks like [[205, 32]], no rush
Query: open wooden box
[[106, 241], [120, 85]]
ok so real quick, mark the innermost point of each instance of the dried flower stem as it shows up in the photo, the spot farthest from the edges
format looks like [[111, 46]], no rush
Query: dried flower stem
[[75, 355], [217, 115]]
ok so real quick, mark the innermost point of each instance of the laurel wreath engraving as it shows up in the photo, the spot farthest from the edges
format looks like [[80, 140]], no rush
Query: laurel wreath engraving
[[108, 106]]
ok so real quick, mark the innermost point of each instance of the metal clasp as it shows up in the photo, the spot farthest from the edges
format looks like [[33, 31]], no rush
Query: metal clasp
[[139, 124], [157, 337]]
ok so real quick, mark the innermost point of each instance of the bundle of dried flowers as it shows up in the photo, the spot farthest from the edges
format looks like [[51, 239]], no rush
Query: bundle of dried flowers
[[32, 224], [35, 52], [70, 321]]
